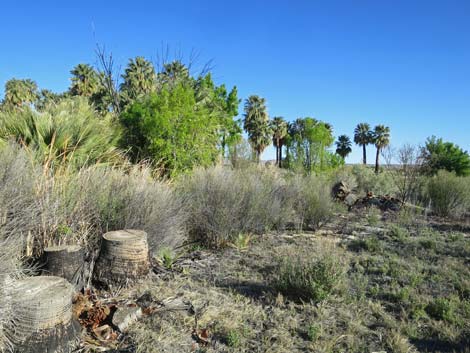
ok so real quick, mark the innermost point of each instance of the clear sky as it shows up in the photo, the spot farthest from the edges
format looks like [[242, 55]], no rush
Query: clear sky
[[402, 63]]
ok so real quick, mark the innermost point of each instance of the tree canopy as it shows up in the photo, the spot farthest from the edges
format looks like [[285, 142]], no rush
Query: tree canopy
[[439, 155]]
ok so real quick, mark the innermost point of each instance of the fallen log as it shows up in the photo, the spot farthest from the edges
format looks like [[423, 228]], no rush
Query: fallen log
[[40, 315], [124, 258]]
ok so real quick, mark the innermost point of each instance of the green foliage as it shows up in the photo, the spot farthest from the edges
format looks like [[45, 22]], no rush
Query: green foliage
[[313, 332], [139, 78], [438, 155], [367, 180], [449, 195], [304, 278], [256, 124], [307, 145], [19, 93], [85, 81], [66, 135], [171, 130], [441, 309], [233, 338], [166, 257]]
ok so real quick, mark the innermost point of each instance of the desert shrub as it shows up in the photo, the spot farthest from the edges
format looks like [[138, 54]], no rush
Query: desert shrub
[[449, 195], [367, 180], [110, 199], [224, 203], [304, 278], [311, 201]]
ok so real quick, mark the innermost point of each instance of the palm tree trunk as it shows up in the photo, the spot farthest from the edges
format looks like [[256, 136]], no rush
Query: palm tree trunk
[[364, 159], [280, 156], [377, 161]]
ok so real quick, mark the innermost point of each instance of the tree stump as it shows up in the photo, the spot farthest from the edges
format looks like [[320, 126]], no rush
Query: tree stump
[[124, 257], [65, 261], [40, 315]]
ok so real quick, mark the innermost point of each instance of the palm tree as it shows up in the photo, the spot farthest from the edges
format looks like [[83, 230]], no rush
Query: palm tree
[[85, 81], [343, 146], [381, 138], [20, 92], [363, 137], [139, 78], [279, 129], [256, 124]]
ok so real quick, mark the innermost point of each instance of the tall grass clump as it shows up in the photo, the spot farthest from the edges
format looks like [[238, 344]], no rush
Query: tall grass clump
[[448, 194], [303, 277], [223, 203], [65, 135]]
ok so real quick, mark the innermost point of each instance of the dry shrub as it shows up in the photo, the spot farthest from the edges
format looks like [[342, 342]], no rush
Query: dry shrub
[[224, 203]]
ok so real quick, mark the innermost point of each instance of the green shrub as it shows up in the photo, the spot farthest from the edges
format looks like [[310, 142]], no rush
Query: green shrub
[[313, 332], [441, 309], [303, 278], [378, 184], [371, 244], [449, 195]]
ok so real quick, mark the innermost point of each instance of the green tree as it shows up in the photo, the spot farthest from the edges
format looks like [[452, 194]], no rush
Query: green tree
[[139, 79], [279, 129], [173, 73], [307, 144], [343, 146], [19, 93], [439, 155], [256, 124], [170, 129], [362, 137], [85, 81], [381, 138]]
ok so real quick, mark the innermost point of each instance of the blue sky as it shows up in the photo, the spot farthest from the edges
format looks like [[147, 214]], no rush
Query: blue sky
[[405, 64]]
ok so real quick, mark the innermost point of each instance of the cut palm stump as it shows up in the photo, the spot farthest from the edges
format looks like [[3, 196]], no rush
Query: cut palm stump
[[124, 257], [41, 315], [65, 261]]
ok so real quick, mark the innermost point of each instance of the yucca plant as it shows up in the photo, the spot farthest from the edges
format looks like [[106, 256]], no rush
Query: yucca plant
[[66, 135]]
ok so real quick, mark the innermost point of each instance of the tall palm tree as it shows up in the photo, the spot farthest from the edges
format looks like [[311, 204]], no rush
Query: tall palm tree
[[20, 92], [363, 137], [279, 129], [381, 138], [139, 78], [256, 124], [85, 81], [343, 146]]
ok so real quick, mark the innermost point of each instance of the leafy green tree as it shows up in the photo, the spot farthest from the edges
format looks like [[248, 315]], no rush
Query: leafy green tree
[[19, 93], [221, 105], [308, 141], [170, 129], [381, 138], [363, 136], [85, 81], [279, 129], [439, 155], [343, 146], [139, 79], [256, 124]]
